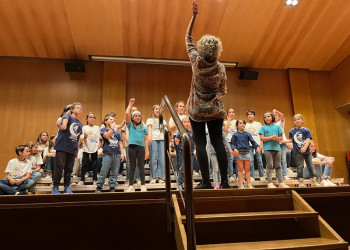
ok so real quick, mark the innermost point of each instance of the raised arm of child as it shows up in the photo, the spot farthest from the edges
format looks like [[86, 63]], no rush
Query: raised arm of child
[[128, 110]]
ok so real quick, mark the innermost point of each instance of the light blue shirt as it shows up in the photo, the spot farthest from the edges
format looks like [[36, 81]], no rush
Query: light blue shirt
[[270, 130]]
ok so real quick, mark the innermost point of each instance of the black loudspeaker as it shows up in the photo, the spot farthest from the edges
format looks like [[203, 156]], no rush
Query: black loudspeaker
[[74, 67], [248, 75]]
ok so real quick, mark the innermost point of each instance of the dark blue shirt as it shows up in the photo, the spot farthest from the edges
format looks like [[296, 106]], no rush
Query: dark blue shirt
[[299, 136], [241, 140], [190, 135], [68, 140], [111, 146]]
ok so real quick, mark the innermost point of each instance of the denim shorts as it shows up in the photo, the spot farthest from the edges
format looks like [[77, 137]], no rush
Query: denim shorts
[[243, 157]]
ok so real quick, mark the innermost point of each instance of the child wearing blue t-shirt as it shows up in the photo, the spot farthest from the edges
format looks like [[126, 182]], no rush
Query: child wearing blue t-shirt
[[138, 145], [271, 135], [66, 147], [112, 154], [301, 137]]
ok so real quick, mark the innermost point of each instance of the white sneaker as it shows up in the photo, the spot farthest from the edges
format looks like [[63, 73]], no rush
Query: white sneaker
[[252, 179], [250, 186], [324, 182], [80, 183], [286, 178], [130, 189], [143, 188], [331, 184], [231, 179], [160, 181], [195, 173], [283, 185], [86, 175], [271, 185], [153, 181], [241, 186], [138, 182], [262, 178]]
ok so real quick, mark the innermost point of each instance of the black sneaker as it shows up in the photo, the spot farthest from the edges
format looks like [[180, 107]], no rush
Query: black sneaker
[[202, 185], [98, 190], [111, 189], [224, 185]]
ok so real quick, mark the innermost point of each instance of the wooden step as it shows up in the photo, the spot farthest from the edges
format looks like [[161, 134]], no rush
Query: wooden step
[[92, 188], [306, 243], [251, 216]]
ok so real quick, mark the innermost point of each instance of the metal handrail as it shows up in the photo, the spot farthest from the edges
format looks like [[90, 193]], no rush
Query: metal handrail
[[186, 152]]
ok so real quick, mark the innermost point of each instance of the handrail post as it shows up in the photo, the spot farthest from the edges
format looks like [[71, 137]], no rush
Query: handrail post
[[186, 146], [167, 179], [190, 222]]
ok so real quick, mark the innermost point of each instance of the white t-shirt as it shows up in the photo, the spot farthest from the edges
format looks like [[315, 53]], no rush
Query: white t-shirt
[[230, 130], [156, 134], [18, 169], [35, 160], [46, 151], [254, 128], [281, 124], [172, 123], [93, 136]]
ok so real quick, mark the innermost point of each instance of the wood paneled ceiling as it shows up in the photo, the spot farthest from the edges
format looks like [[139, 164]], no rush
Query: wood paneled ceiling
[[256, 33]]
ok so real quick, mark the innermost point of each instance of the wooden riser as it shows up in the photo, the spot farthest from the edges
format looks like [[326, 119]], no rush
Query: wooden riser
[[252, 216], [317, 243]]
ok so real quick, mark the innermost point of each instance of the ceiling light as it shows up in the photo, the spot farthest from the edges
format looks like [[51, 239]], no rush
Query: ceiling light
[[292, 2], [126, 59]]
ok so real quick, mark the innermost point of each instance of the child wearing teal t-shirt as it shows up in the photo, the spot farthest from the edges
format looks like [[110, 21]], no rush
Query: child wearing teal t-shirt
[[271, 135]]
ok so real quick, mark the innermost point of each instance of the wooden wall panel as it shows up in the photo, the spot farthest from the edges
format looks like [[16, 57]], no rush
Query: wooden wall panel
[[114, 88], [340, 87], [33, 94], [302, 102], [333, 131], [149, 83]]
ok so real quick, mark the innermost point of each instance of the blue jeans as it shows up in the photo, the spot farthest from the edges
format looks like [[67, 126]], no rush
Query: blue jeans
[[34, 177], [299, 161], [7, 188], [326, 171], [109, 162], [253, 152], [50, 163], [284, 158], [157, 162], [231, 161]]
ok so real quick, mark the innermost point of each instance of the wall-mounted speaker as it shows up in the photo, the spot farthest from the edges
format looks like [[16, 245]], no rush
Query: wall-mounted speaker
[[74, 67], [248, 75]]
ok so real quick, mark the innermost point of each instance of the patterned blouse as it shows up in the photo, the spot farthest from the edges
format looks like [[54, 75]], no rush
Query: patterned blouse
[[207, 87]]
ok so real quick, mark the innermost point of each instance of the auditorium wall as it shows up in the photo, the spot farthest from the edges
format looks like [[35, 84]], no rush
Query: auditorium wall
[[33, 93]]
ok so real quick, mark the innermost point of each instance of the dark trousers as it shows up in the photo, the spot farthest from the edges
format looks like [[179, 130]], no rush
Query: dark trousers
[[215, 134], [88, 165], [64, 161], [137, 154]]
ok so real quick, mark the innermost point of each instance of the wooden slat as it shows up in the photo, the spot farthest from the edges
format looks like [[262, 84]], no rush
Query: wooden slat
[[180, 233], [300, 204], [307, 243], [251, 216]]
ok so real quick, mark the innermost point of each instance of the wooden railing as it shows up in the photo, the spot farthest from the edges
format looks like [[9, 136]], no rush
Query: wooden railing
[[187, 168]]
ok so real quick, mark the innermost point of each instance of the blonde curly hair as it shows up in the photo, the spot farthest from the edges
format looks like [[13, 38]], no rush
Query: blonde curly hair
[[209, 47]]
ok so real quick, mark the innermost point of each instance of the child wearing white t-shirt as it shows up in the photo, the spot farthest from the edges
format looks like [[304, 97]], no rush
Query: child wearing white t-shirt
[[156, 146], [18, 172], [36, 162]]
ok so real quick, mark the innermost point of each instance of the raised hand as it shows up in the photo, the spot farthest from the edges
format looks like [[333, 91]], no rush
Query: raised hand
[[194, 7]]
